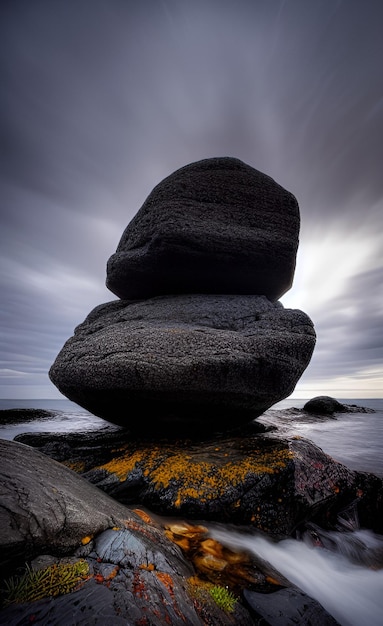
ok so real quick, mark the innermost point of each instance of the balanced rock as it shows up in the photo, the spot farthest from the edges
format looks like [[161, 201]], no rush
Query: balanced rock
[[186, 363], [214, 226]]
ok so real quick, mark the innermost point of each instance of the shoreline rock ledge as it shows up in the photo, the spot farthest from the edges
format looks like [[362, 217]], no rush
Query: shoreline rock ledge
[[199, 342]]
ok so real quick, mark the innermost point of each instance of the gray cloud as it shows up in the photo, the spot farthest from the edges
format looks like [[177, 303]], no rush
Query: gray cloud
[[104, 98]]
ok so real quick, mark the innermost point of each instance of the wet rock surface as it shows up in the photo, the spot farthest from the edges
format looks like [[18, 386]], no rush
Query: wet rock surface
[[288, 607], [265, 480], [185, 364], [132, 568], [214, 226], [102, 560]]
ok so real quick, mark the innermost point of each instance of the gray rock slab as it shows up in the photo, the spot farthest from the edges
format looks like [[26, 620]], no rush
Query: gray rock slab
[[44, 504], [288, 607], [214, 226], [189, 363]]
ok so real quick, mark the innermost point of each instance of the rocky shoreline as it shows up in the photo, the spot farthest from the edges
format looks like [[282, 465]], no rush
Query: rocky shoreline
[[102, 549], [111, 527]]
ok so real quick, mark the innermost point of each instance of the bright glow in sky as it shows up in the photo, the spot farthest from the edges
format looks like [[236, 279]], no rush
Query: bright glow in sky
[[102, 99]]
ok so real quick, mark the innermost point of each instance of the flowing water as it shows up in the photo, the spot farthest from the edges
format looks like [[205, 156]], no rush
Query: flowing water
[[345, 574], [350, 592]]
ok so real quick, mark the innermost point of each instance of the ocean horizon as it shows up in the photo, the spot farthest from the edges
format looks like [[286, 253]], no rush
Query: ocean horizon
[[298, 402], [353, 439]]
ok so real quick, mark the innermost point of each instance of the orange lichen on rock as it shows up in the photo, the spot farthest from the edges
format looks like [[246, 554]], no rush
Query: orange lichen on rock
[[76, 466], [198, 476], [206, 480], [86, 540], [148, 567], [143, 515]]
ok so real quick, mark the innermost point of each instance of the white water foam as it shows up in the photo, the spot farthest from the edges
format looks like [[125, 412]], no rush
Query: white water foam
[[352, 594]]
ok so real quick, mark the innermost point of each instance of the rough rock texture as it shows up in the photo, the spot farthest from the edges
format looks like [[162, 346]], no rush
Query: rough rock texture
[[132, 573], [214, 226], [326, 405], [265, 481], [189, 363], [288, 607], [35, 513]]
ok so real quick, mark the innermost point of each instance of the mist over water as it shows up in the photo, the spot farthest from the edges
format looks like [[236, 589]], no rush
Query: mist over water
[[351, 593]]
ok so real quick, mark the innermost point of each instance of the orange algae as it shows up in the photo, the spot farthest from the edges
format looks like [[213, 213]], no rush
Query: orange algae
[[76, 466], [143, 515], [204, 480], [86, 539], [197, 479]]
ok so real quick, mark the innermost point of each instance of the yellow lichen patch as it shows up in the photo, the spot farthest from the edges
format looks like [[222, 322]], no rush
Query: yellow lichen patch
[[205, 480], [197, 475], [123, 464], [148, 567], [86, 539], [76, 466]]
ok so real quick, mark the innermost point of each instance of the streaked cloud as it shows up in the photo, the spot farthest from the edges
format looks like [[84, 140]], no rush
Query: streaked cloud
[[104, 98]]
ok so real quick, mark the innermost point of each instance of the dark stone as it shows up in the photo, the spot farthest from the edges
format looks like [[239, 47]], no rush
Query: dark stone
[[359, 548], [214, 226], [325, 405], [14, 416], [184, 364], [248, 478], [45, 505], [287, 607], [134, 574]]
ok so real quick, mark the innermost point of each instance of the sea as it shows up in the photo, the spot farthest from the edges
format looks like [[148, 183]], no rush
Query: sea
[[349, 589]]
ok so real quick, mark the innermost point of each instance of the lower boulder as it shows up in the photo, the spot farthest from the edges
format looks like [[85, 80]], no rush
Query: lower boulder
[[184, 365]]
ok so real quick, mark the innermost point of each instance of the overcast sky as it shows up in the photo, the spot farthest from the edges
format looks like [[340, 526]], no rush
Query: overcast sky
[[101, 99]]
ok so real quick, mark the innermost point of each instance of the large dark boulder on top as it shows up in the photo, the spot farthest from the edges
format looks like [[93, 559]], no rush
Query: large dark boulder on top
[[214, 226], [184, 364]]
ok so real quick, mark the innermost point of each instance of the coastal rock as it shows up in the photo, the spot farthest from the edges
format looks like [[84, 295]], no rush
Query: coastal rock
[[45, 505], [184, 364], [326, 405], [323, 405], [14, 416], [261, 480], [214, 226], [288, 607], [97, 561]]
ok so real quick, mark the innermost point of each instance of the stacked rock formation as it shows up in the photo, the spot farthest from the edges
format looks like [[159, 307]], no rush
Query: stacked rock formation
[[198, 341]]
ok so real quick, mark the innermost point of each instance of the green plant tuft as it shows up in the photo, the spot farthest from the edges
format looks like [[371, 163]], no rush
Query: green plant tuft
[[224, 598], [54, 580]]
